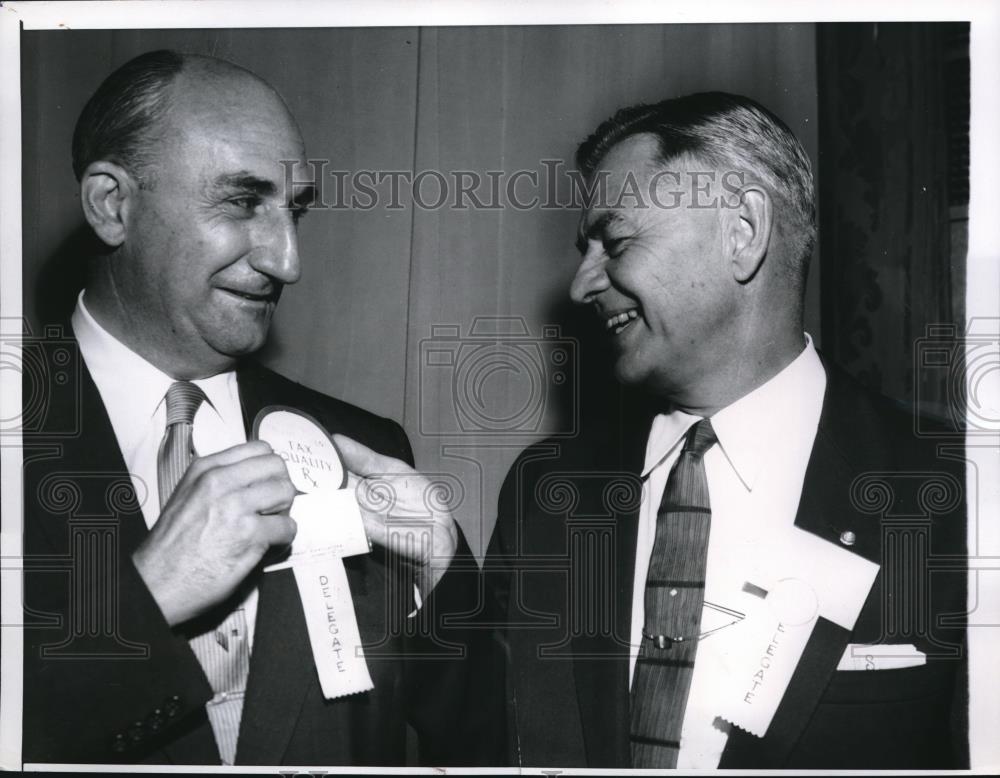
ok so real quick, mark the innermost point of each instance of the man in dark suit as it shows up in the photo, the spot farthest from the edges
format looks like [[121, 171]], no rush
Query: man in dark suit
[[166, 643], [760, 565]]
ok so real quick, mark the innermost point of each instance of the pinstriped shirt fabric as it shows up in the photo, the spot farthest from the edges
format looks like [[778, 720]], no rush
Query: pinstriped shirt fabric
[[224, 650], [674, 596]]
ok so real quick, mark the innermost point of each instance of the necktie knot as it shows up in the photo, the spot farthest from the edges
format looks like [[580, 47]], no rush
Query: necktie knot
[[700, 438], [183, 401]]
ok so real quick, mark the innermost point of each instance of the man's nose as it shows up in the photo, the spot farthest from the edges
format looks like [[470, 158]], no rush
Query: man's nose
[[277, 254], [591, 278]]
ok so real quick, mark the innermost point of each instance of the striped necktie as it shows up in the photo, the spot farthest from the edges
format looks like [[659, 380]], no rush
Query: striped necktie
[[675, 594], [224, 649]]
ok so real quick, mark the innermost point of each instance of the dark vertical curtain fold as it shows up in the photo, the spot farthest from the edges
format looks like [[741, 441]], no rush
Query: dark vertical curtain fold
[[893, 254]]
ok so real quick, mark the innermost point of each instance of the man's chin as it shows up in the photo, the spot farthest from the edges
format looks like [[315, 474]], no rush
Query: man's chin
[[629, 374], [234, 348], [641, 377]]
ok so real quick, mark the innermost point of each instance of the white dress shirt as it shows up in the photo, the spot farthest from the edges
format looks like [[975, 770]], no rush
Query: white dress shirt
[[134, 393], [755, 474]]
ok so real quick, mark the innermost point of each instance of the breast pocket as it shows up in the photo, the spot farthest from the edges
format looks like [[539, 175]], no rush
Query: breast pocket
[[910, 683]]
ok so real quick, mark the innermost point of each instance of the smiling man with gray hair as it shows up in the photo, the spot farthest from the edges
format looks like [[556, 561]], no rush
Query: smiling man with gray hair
[[710, 581]]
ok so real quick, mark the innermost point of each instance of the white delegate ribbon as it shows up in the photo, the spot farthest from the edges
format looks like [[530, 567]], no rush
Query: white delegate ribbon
[[329, 528]]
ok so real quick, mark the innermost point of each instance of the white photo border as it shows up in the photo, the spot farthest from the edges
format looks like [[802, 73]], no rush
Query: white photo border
[[983, 262]]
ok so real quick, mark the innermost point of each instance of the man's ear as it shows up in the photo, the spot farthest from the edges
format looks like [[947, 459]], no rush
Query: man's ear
[[750, 223], [106, 193]]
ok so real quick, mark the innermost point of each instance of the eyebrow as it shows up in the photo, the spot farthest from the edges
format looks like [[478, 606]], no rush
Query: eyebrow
[[594, 230], [244, 182]]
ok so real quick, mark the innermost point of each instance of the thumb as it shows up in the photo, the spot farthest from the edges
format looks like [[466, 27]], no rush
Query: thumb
[[360, 459]]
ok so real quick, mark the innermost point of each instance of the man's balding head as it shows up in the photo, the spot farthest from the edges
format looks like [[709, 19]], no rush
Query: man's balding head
[[127, 117]]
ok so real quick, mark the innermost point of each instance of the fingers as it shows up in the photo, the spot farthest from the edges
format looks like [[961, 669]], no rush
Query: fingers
[[247, 472], [277, 530], [360, 459], [228, 510], [236, 474], [253, 484], [258, 481], [412, 539], [268, 495], [230, 456]]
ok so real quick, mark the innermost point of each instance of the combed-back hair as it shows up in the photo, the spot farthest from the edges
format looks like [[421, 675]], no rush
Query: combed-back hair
[[724, 131], [121, 120]]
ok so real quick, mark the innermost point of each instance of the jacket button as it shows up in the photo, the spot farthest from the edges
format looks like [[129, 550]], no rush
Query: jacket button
[[119, 745], [136, 732], [848, 538], [172, 706], [155, 720]]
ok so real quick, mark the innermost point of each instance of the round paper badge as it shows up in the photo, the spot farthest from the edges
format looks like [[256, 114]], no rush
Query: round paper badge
[[793, 602], [309, 452]]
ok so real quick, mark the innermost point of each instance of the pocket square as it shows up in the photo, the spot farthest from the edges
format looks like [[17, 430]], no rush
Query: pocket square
[[859, 656]]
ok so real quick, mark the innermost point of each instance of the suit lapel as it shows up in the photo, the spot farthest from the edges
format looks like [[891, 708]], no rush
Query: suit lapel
[[602, 682], [281, 668], [97, 447], [825, 510], [94, 451]]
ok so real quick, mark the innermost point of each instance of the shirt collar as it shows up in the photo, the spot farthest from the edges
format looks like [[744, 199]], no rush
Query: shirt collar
[[131, 387], [753, 426], [665, 433]]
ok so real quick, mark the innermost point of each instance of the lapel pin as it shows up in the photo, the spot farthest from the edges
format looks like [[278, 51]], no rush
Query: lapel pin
[[848, 538]]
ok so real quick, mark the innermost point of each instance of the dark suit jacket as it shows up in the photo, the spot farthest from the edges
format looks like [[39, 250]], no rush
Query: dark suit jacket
[[107, 680], [561, 565]]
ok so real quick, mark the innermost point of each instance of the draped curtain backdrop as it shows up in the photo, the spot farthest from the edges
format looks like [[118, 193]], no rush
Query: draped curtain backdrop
[[894, 120], [395, 301]]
